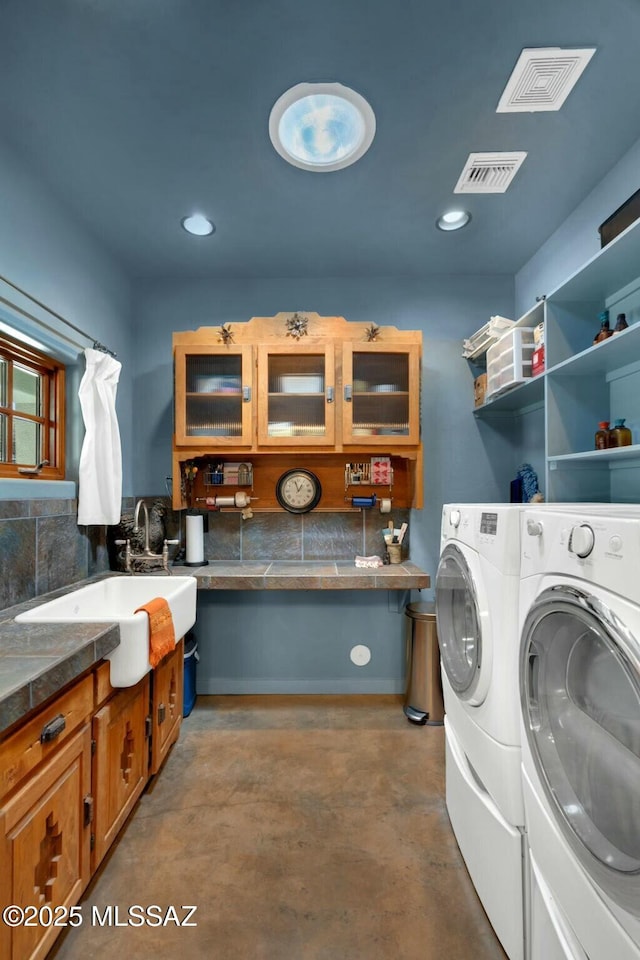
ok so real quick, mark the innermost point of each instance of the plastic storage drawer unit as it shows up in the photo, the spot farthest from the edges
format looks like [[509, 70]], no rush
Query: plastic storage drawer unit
[[509, 360]]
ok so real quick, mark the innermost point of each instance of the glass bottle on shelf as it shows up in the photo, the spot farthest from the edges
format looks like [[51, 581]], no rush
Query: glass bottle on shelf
[[621, 323], [602, 435], [605, 331], [620, 436]]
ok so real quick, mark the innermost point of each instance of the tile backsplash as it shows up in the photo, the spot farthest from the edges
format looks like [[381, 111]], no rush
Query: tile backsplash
[[42, 548], [278, 535], [285, 536]]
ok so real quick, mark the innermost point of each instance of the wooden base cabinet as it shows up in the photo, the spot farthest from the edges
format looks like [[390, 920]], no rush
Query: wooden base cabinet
[[45, 837], [70, 776], [167, 697], [120, 763]]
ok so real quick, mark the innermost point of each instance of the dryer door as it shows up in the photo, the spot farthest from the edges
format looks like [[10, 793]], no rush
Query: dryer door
[[461, 612], [580, 695]]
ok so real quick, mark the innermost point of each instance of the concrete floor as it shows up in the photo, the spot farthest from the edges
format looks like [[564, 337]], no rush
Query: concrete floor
[[302, 828]]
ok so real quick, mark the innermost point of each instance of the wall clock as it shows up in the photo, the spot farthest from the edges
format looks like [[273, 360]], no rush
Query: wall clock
[[298, 491]]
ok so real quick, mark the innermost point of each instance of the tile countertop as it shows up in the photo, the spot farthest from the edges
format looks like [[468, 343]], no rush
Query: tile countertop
[[37, 660], [301, 575]]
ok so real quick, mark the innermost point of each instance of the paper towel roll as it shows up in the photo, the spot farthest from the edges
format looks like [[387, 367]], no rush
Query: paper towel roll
[[385, 505], [195, 539]]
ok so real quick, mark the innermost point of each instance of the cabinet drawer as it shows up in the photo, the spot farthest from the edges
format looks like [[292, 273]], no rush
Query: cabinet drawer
[[39, 737]]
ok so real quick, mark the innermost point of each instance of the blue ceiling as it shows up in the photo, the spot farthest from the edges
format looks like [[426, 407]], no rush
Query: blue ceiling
[[136, 112]]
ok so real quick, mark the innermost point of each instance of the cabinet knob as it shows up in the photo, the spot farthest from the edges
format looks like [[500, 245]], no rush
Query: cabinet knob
[[347, 392], [329, 394], [246, 394], [534, 528]]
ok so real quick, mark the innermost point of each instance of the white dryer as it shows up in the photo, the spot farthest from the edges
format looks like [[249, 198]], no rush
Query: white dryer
[[580, 717], [477, 587]]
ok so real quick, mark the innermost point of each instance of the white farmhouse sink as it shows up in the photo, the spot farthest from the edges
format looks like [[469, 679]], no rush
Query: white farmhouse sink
[[114, 600]]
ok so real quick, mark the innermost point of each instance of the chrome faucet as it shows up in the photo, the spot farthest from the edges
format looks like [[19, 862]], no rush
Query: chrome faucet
[[147, 555], [136, 526]]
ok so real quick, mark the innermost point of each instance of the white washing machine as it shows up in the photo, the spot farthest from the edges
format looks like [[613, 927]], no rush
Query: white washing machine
[[477, 588], [580, 717]]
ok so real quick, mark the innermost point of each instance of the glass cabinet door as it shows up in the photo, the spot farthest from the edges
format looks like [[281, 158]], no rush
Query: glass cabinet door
[[381, 394], [296, 387], [213, 387]]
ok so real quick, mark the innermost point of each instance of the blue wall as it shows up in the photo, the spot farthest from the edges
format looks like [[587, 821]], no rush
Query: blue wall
[[577, 240], [458, 464], [299, 641], [51, 256], [258, 642]]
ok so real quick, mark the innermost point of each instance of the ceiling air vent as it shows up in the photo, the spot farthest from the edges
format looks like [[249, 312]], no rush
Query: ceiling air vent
[[542, 79], [489, 172]]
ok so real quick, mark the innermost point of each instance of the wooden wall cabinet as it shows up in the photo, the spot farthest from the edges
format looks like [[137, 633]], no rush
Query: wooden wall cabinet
[[582, 383], [381, 394], [296, 395], [215, 387], [342, 388]]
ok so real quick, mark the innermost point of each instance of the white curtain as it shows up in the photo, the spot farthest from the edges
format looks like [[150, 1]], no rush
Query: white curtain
[[100, 472]]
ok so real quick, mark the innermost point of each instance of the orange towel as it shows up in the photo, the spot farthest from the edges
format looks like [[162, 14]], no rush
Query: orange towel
[[162, 635]]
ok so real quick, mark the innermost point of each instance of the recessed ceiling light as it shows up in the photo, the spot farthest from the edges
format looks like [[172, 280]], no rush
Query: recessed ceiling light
[[321, 126], [198, 225], [453, 220]]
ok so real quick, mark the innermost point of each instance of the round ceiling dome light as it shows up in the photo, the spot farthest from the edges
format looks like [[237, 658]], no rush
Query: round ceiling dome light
[[198, 225], [453, 220], [321, 126]]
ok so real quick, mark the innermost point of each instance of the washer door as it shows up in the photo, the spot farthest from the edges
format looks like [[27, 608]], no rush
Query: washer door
[[580, 695], [460, 612]]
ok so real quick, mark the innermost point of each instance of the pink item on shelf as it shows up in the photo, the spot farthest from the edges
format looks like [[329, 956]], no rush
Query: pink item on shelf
[[381, 470]]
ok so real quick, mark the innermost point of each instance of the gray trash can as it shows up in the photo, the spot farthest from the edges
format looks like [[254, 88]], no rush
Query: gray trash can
[[423, 701]]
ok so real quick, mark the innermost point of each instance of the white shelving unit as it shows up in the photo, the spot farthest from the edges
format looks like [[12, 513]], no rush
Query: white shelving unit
[[584, 383]]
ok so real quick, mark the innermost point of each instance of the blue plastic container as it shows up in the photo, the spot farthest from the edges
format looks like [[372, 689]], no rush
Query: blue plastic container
[[190, 661]]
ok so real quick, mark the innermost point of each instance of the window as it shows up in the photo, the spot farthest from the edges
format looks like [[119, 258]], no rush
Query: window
[[31, 410]]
